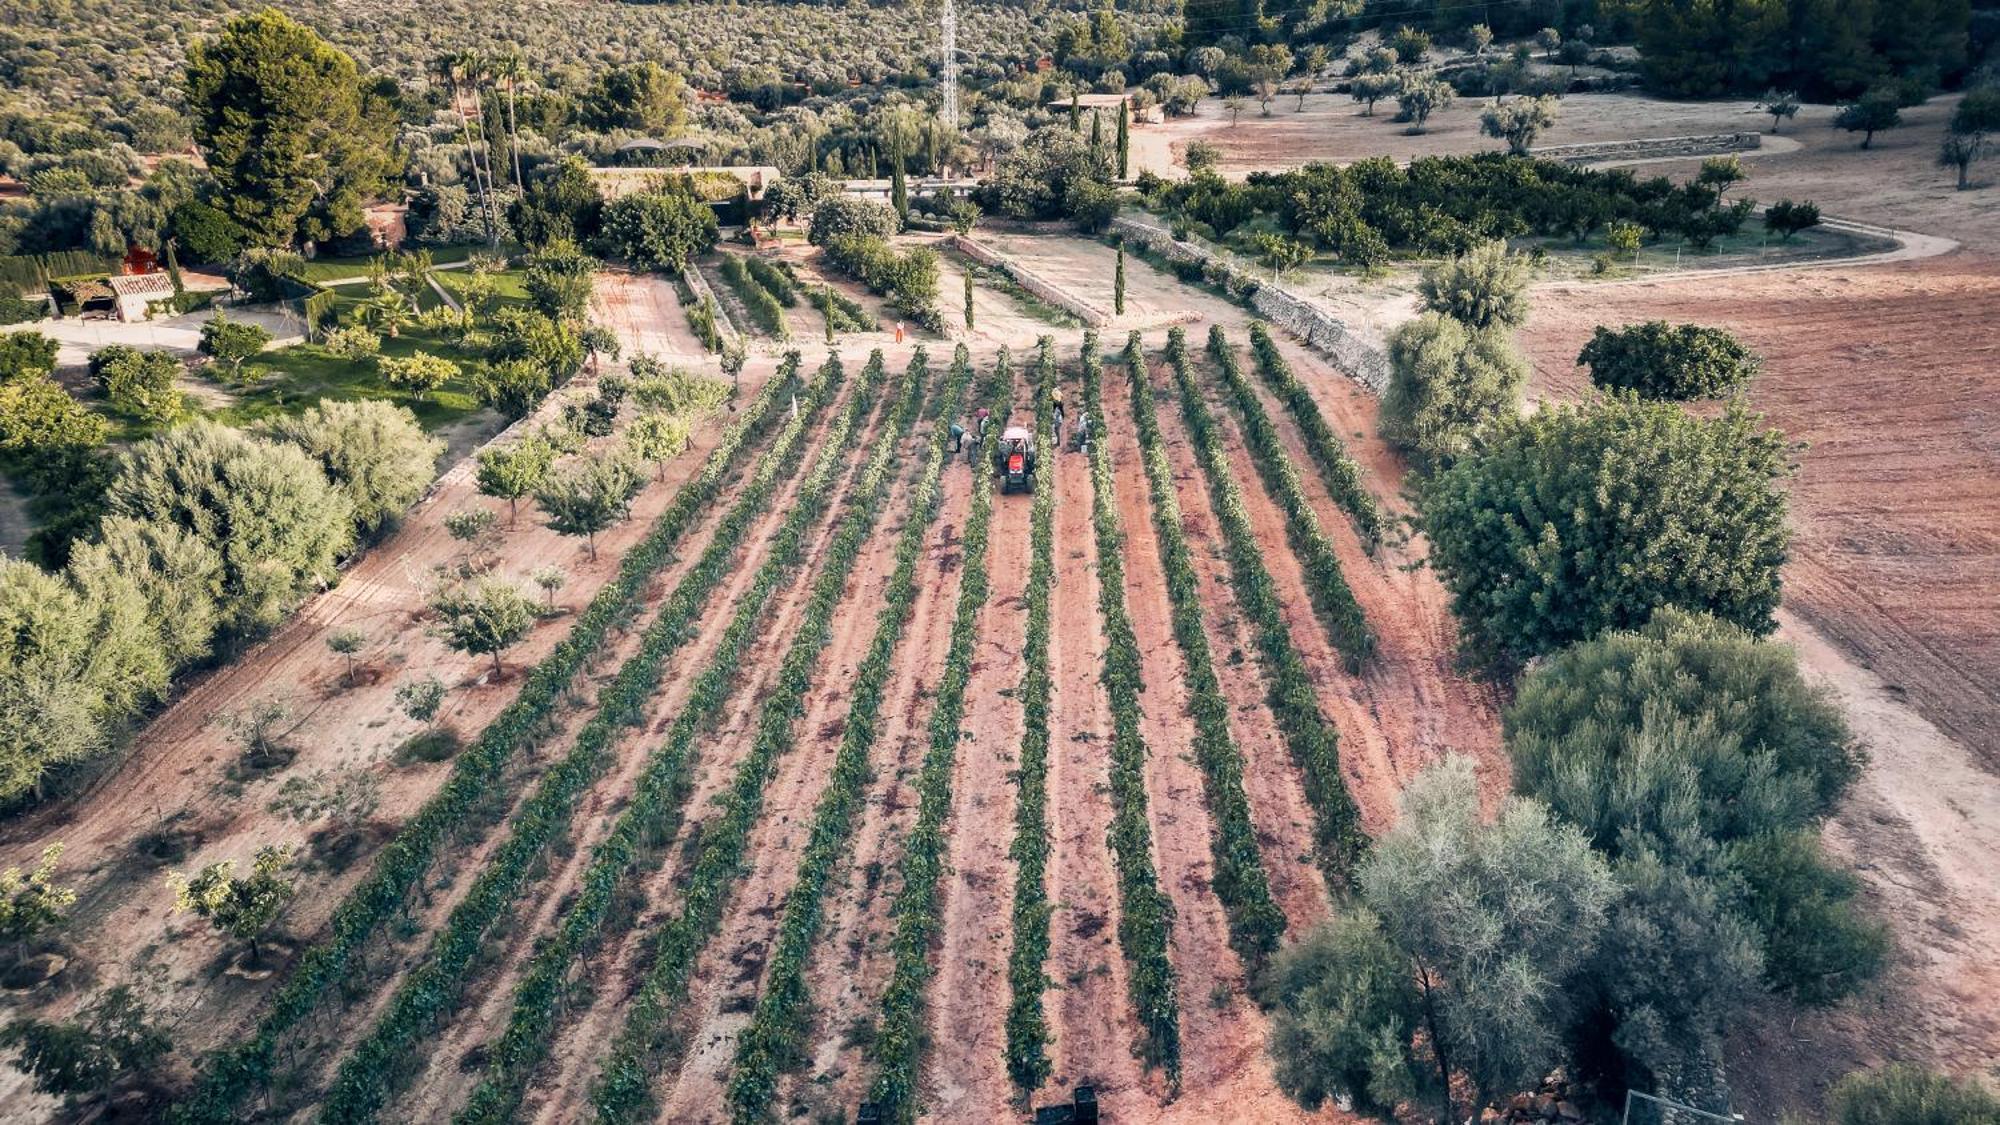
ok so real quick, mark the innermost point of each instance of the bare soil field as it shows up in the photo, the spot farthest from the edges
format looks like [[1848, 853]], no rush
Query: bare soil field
[[1886, 375]]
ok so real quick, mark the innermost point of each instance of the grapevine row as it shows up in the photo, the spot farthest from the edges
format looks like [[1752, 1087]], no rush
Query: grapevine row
[[1146, 913], [1313, 741], [624, 1087], [372, 1071], [231, 1075], [776, 1022], [1345, 624], [899, 1044], [1338, 470], [1027, 974], [1255, 922], [657, 802]]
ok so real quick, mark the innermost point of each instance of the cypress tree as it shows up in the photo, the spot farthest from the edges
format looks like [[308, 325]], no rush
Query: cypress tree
[[968, 302], [1124, 140], [1118, 285], [1075, 114], [899, 190], [1096, 131]]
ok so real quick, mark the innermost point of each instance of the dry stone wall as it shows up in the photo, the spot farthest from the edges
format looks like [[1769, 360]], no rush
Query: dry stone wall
[[1324, 333], [1026, 278], [1651, 148]]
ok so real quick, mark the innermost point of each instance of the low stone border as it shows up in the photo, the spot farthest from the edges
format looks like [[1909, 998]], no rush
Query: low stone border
[[1026, 278], [698, 285], [1651, 148], [1324, 333]]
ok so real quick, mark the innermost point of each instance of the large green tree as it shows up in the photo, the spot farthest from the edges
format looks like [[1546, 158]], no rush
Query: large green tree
[[1579, 519], [1496, 918], [374, 451], [297, 140], [264, 507], [658, 230], [1449, 383]]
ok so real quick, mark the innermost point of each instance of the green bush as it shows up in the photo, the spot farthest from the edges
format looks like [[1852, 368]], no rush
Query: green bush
[[1580, 519], [1904, 1094], [1668, 361], [1449, 385]]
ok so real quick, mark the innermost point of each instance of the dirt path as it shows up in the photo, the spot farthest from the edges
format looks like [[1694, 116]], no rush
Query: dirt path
[[1278, 807], [967, 1074], [729, 975], [644, 312], [1922, 828], [850, 968], [1088, 1005]]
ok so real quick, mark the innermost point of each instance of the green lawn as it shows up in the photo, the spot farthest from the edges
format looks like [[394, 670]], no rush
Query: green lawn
[[508, 285], [290, 379], [328, 267]]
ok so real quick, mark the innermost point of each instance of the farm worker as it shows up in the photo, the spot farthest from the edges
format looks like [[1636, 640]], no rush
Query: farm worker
[[957, 437], [899, 331], [980, 416], [795, 407], [1082, 438]]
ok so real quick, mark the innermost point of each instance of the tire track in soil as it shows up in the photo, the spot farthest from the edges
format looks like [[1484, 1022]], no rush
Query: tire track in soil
[[405, 951], [851, 964], [1410, 699], [729, 974], [561, 1089], [1219, 1041], [966, 1078], [1092, 1027], [447, 1075], [1278, 807]]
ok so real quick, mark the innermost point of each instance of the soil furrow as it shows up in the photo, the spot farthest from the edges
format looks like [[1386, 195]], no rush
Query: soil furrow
[[852, 961], [967, 1076]]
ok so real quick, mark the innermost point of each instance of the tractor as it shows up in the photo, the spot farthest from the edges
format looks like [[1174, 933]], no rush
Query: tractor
[[1014, 460]]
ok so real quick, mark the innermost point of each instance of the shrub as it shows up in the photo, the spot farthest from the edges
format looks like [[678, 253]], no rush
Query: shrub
[[1448, 385], [1786, 218], [139, 385], [353, 342], [1668, 361], [374, 451], [1345, 1010], [229, 342], [1580, 519], [848, 215], [1904, 1094], [1485, 287], [658, 230]]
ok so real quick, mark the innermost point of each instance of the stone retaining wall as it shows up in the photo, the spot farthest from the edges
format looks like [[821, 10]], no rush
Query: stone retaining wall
[[1324, 333], [699, 286], [1651, 148], [1042, 289]]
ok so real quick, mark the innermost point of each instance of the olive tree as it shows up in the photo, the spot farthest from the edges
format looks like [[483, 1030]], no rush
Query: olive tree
[[1668, 361], [1520, 122], [265, 508], [1420, 96], [1344, 1010], [1448, 384], [1877, 110], [1907, 1094], [373, 451], [1485, 287], [1496, 918], [82, 1059], [483, 620], [1580, 519]]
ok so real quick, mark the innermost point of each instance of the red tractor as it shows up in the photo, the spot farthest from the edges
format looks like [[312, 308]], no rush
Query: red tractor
[[1014, 460]]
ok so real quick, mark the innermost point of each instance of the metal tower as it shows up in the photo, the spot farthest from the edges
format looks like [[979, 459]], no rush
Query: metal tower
[[951, 64]]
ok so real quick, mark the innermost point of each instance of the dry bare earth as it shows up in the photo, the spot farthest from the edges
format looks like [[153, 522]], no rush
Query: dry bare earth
[[1888, 375]]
